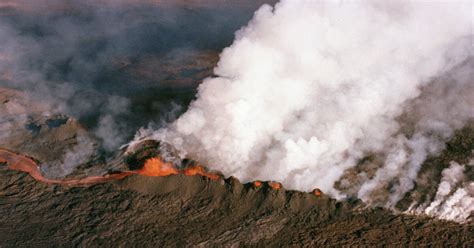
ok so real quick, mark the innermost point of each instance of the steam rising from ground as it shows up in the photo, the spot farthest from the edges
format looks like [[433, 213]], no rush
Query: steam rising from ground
[[310, 88], [454, 198]]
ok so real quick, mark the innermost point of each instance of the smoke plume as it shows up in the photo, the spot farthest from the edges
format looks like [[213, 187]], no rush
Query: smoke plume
[[309, 88]]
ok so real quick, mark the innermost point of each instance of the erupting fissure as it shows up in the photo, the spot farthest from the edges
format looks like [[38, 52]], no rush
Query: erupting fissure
[[157, 167], [152, 167], [308, 89]]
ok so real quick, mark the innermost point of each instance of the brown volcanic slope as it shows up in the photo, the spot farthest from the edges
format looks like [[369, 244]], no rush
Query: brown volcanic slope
[[181, 211]]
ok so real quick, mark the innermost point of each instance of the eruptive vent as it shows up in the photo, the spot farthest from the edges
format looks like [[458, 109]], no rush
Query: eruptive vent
[[309, 89], [150, 158]]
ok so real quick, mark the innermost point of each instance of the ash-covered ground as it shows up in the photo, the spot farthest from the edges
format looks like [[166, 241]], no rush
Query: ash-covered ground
[[77, 81]]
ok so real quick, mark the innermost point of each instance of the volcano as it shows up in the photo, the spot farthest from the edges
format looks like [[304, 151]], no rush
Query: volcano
[[174, 209], [148, 196], [223, 123]]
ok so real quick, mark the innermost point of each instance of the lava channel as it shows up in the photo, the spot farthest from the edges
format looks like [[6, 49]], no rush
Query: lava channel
[[154, 167]]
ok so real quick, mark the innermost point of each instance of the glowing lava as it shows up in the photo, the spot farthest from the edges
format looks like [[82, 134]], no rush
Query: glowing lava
[[274, 185], [200, 170], [317, 192], [152, 167], [23, 163], [155, 167]]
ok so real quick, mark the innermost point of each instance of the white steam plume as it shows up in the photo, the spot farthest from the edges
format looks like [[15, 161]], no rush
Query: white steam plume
[[444, 106], [454, 198], [308, 88]]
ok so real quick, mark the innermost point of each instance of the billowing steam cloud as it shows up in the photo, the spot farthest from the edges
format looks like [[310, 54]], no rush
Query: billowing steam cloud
[[309, 88]]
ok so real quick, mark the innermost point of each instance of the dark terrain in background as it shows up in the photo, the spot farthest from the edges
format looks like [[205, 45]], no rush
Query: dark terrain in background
[[118, 65]]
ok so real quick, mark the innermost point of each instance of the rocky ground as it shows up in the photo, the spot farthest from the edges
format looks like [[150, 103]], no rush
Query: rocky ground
[[183, 211]]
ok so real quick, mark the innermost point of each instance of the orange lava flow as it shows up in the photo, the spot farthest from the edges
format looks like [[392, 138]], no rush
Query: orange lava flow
[[23, 163], [199, 170], [152, 167], [274, 185], [156, 168], [317, 192]]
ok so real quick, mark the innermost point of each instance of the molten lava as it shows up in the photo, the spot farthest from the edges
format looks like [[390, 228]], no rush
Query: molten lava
[[274, 185], [155, 167], [26, 164], [317, 192], [152, 167], [200, 170]]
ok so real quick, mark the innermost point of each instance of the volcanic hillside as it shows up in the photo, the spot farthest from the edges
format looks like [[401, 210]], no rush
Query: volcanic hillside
[[180, 210], [80, 80]]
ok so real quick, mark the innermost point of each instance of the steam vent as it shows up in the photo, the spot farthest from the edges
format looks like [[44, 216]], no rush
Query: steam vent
[[237, 123]]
